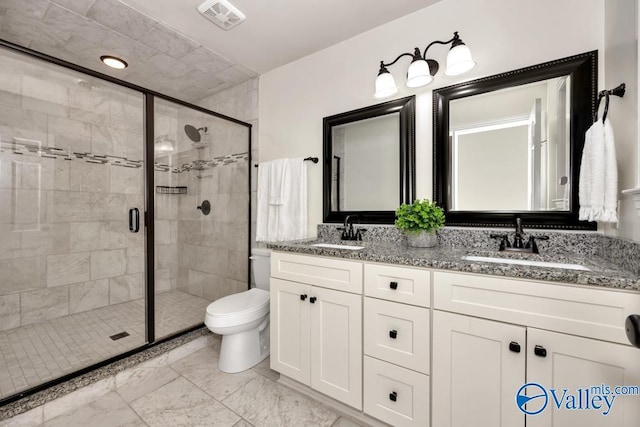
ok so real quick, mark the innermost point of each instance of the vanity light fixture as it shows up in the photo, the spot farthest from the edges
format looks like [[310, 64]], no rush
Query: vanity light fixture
[[114, 62], [421, 70]]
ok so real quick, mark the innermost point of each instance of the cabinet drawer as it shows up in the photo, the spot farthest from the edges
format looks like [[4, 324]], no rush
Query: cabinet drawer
[[576, 310], [320, 271], [395, 395], [397, 333], [399, 284]]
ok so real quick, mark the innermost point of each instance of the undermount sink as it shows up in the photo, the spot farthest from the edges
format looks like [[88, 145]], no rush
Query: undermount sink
[[527, 262], [337, 246]]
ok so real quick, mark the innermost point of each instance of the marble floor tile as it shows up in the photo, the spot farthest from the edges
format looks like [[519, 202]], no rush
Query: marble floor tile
[[345, 422], [201, 368], [139, 382], [263, 402], [180, 403], [264, 368], [108, 411]]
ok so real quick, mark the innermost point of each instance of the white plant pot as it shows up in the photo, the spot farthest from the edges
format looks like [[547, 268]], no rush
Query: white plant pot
[[423, 239]]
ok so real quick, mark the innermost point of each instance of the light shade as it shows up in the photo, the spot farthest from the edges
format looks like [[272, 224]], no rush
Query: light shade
[[459, 60], [114, 62], [385, 85], [163, 145], [418, 74]]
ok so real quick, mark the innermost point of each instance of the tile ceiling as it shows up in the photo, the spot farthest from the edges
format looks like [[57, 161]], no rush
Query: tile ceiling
[[80, 31]]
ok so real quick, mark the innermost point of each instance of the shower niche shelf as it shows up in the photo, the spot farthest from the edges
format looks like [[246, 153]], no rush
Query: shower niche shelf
[[162, 189]]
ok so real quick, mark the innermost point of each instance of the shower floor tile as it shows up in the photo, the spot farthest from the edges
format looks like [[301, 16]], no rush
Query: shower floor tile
[[34, 354]]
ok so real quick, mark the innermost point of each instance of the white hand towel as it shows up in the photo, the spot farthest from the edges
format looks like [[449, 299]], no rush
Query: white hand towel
[[292, 215], [262, 210], [276, 181], [288, 219], [598, 190]]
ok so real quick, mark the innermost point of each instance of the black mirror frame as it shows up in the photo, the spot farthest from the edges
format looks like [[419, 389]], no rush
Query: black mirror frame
[[407, 191], [583, 69]]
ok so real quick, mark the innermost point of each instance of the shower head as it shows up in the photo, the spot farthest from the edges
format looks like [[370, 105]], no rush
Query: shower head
[[194, 133]]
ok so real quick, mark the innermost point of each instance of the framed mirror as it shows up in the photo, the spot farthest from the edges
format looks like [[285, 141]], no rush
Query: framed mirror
[[369, 162], [510, 145]]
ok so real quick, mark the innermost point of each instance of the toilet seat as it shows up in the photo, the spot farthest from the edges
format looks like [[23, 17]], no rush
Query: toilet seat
[[237, 309]]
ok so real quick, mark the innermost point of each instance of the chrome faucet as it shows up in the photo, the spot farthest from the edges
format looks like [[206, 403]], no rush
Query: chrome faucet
[[518, 241]]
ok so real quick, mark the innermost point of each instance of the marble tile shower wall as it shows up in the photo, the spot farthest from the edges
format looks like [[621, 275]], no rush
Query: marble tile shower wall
[[210, 250], [241, 102], [70, 160]]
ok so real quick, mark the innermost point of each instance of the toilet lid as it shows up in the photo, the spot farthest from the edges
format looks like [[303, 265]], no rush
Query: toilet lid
[[242, 303]]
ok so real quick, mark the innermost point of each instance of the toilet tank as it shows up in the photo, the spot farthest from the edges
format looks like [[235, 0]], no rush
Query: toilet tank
[[261, 259]]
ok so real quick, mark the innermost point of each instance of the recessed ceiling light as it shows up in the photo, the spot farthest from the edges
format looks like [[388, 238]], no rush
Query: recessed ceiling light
[[114, 62]]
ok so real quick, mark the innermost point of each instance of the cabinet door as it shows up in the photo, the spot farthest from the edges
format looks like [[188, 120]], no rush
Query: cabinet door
[[336, 345], [576, 364], [475, 374], [290, 329]]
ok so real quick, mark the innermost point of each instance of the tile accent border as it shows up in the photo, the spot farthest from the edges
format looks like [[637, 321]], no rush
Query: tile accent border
[[103, 379], [204, 164], [32, 148]]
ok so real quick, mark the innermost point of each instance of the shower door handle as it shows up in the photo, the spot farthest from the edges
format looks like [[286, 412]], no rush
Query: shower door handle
[[134, 220]]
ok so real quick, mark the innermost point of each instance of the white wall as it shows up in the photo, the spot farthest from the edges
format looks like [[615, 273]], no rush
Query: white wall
[[621, 65], [502, 34]]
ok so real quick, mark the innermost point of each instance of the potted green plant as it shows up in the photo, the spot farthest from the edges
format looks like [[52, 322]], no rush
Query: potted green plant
[[420, 221]]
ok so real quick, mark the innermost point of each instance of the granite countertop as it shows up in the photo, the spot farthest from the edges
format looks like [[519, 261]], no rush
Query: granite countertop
[[601, 272]]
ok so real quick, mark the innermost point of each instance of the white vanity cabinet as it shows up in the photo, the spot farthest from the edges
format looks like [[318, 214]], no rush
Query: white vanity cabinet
[[316, 324], [396, 344], [498, 334]]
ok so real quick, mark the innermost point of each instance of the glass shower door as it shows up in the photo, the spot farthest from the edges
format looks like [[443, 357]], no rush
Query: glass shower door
[[72, 257], [201, 213]]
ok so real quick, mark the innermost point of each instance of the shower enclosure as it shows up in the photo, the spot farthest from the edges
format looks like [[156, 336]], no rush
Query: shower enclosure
[[117, 227]]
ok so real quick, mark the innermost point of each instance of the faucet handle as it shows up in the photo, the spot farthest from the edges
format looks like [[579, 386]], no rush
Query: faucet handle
[[504, 240], [359, 233], [531, 243]]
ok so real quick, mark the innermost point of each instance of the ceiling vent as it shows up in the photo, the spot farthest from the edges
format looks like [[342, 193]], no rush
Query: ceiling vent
[[222, 13]]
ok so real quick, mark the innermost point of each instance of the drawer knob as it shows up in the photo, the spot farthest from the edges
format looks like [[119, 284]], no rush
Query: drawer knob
[[393, 285], [393, 334], [303, 297], [514, 346], [632, 326], [393, 396], [312, 300], [540, 351]]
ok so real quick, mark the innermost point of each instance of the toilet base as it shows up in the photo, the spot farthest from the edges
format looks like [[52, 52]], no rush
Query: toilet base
[[241, 351]]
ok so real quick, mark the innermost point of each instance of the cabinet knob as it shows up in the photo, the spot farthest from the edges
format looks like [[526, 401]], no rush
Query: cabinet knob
[[540, 351], [312, 300], [393, 285], [393, 396], [393, 334], [514, 346], [303, 297], [632, 326]]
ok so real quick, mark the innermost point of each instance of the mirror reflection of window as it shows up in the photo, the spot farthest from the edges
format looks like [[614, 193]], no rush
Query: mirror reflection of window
[[510, 149]]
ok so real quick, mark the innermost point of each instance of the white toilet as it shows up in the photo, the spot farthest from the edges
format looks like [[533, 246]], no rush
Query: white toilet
[[243, 320]]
